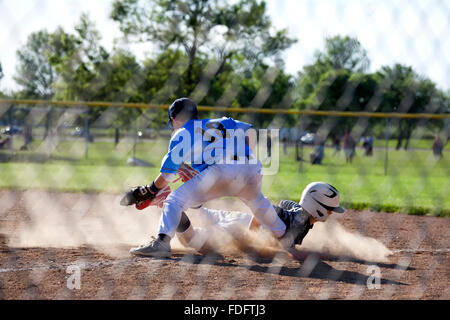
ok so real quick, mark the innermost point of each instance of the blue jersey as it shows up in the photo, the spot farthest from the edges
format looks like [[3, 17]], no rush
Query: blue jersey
[[202, 143]]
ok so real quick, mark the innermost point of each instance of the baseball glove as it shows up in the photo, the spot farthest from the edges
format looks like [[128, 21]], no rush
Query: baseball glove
[[157, 201], [133, 196], [139, 196]]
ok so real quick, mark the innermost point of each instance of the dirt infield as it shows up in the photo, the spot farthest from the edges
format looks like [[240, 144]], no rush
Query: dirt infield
[[47, 240]]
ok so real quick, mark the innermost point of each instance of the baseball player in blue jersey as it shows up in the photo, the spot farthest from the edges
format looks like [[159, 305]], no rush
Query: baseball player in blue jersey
[[221, 151]]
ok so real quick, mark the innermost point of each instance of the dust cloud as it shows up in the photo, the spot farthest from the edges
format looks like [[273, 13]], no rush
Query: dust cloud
[[332, 238], [63, 220], [329, 238]]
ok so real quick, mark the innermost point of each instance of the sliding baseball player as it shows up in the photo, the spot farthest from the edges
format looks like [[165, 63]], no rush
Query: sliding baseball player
[[318, 201]]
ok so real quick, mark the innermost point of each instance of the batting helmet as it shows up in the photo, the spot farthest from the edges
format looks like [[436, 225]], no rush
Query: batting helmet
[[318, 198]]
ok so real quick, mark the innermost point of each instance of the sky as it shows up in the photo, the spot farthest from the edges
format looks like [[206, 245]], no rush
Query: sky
[[411, 32]]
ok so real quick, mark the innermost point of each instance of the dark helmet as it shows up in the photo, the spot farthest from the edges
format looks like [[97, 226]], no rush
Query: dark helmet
[[182, 105]]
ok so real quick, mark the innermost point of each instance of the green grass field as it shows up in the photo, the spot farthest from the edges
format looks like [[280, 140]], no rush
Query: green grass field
[[416, 182]]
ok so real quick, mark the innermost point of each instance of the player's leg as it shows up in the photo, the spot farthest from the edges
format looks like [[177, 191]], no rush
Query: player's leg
[[260, 206], [217, 181], [187, 234], [243, 181], [201, 188], [207, 185], [266, 215]]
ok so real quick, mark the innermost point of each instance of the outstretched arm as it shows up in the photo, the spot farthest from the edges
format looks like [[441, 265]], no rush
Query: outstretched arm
[[144, 194], [254, 224], [161, 182], [262, 252]]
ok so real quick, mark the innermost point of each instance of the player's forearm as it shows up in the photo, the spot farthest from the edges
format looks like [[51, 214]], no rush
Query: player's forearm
[[253, 224], [160, 182]]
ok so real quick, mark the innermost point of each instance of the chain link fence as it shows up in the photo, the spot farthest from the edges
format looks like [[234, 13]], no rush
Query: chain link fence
[[58, 151], [65, 164]]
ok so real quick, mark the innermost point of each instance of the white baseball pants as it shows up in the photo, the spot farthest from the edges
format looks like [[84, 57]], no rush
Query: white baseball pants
[[220, 180]]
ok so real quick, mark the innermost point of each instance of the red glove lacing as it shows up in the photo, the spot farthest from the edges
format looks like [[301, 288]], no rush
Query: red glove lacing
[[185, 172]]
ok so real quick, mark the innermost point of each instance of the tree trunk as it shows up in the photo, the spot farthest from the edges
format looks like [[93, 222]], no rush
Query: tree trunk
[[408, 134], [399, 140], [47, 124], [192, 53], [401, 135]]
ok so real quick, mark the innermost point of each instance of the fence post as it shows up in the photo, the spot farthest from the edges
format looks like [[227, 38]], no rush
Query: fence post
[[300, 157], [116, 137], [299, 144], [11, 122], [386, 136], [86, 134], [135, 133]]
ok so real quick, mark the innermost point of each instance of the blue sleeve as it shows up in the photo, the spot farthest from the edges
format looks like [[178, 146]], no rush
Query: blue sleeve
[[179, 152], [243, 125]]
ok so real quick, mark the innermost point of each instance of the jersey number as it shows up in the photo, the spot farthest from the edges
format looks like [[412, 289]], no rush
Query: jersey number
[[218, 126]]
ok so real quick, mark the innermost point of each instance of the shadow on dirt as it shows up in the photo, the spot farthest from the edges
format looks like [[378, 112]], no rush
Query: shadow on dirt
[[321, 270], [313, 266], [303, 255]]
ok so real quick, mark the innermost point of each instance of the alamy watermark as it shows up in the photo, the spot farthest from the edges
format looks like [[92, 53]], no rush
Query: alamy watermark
[[374, 280], [74, 280], [215, 144]]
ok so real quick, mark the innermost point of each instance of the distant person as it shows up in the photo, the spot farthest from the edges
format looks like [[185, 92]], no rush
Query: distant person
[[116, 137], [269, 146], [336, 144], [368, 145], [438, 146], [284, 133], [317, 156], [349, 147], [5, 143], [27, 137], [297, 150], [284, 141]]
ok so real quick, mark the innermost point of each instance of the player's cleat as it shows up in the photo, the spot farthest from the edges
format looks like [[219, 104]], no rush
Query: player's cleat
[[156, 248]]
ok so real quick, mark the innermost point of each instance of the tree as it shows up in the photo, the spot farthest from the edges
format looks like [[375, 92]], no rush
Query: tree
[[405, 91], [78, 69], [40, 60], [330, 93], [34, 73], [202, 26], [336, 80], [340, 53], [1, 76], [345, 53], [164, 79], [120, 77], [264, 87]]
